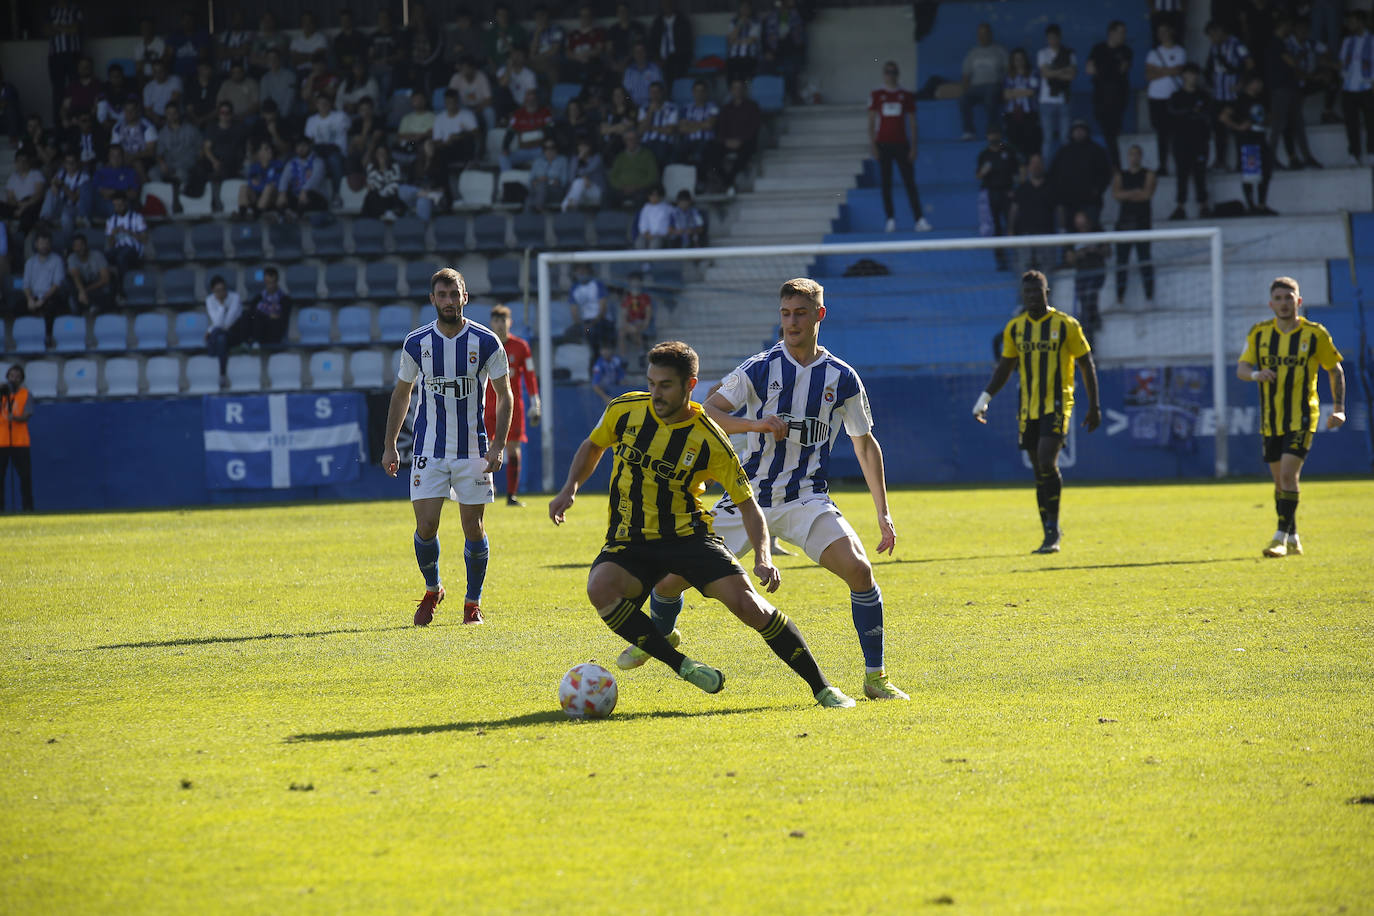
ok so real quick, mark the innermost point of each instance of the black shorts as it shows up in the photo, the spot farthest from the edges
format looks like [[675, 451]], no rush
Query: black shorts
[[1049, 425], [700, 560], [1297, 442]]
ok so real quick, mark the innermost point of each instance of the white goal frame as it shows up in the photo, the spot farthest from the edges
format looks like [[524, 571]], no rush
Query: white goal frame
[[546, 260]]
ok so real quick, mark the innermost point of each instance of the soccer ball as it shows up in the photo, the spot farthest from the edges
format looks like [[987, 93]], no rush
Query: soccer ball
[[588, 691]]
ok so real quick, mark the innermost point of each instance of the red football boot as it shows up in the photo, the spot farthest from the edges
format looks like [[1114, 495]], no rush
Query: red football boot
[[472, 612], [425, 612]]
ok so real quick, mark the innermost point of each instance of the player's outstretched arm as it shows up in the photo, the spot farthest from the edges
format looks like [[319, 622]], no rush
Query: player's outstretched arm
[[395, 416], [1093, 417], [1336, 375], [583, 463], [1247, 372], [720, 410], [756, 526], [1005, 367], [870, 455]]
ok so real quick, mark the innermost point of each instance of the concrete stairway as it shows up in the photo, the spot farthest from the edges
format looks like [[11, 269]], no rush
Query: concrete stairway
[[731, 310]]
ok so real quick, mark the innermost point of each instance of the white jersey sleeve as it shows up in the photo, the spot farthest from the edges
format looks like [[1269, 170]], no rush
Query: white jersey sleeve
[[498, 364], [735, 388], [858, 418], [409, 369]]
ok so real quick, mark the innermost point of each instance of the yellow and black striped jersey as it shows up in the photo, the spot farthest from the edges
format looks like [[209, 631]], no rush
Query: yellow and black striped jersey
[[1289, 403], [1044, 349], [660, 470]]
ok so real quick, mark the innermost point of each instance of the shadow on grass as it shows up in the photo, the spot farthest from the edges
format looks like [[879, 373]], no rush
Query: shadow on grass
[[1136, 565], [211, 640], [533, 718], [580, 564], [987, 556]]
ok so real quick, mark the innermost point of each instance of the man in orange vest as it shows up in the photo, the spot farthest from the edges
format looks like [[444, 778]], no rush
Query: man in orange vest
[[15, 409]]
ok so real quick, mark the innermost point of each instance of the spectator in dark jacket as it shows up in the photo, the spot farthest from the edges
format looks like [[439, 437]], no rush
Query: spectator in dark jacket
[[1080, 175], [670, 40]]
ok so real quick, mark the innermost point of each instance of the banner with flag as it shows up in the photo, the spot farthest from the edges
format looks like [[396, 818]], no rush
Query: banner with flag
[[283, 440]]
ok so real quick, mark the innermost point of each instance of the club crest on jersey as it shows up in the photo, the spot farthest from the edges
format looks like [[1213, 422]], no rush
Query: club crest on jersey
[[472, 358], [689, 458], [460, 387], [1302, 345], [1054, 333], [829, 395]]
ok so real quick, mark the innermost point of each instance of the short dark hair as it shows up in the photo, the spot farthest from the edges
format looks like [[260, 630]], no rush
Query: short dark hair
[[42, 234], [19, 368], [1035, 276], [676, 355], [450, 94], [217, 280], [447, 275], [269, 272], [81, 236], [1053, 29], [684, 194], [500, 311], [1115, 24]]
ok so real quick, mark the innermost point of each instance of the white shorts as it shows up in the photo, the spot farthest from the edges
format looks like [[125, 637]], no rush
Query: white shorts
[[813, 523], [463, 479]]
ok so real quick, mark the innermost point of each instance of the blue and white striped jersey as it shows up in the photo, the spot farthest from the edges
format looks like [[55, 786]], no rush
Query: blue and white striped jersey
[[814, 400], [453, 374]]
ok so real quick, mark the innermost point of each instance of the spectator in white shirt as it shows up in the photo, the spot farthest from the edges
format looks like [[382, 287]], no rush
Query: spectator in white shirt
[[225, 311], [517, 80], [164, 87], [304, 45], [359, 84], [1057, 66], [150, 47], [327, 130], [23, 193], [655, 219], [1164, 73], [474, 90], [455, 132]]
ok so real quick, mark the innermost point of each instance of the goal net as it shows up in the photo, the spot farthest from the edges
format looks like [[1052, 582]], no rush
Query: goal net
[[929, 307]]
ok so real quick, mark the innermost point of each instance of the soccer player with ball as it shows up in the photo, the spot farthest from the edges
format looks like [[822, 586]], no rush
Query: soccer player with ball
[[795, 397], [666, 448]]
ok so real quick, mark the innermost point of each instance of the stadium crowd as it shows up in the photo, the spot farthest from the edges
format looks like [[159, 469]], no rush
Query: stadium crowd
[[588, 116]]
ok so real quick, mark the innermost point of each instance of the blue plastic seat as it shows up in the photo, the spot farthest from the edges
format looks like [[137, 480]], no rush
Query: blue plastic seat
[[207, 241], [570, 230], [111, 333], [563, 93], [286, 242], [768, 92], [450, 233], [529, 230], [69, 334], [612, 229], [489, 231], [140, 289], [168, 241], [355, 324], [394, 322], [505, 276], [190, 330], [28, 334], [408, 233], [329, 240], [382, 280], [341, 281], [313, 324], [418, 274], [150, 331], [179, 286], [247, 240], [369, 237], [301, 281]]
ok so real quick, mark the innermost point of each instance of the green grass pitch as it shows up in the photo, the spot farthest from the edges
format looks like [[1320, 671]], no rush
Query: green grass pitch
[[227, 710]]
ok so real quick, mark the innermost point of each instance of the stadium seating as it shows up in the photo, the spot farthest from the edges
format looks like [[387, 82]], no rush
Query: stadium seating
[[140, 289], [161, 190], [168, 243], [369, 237], [489, 232], [284, 372], [326, 369], [162, 374], [367, 369], [41, 377], [355, 325], [328, 239], [682, 91], [202, 207], [350, 201], [382, 279], [228, 194], [612, 229], [302, 282], [81, 377], [450, 232], [245, 372], [285, 239], [563, 93], [111, 333], [69, 334], [408, 235], [570, 230], [529, 230], [394, 322], [708, 46], [341, 281], [507, 178], [207, 240], [476, 190], [573, 359], [150, 331], [121, 376], [202, 375], [505, 276], [313, 326], [191, 328], [179, 286], [417, 275], [473, 267], [678, 177], [247, 240], [768, 92]]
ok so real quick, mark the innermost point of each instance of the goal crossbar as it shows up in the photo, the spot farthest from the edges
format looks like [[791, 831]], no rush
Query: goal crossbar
[[546, 260]]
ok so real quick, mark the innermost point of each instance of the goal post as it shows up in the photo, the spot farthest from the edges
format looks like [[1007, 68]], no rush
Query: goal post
[[720, 271]]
